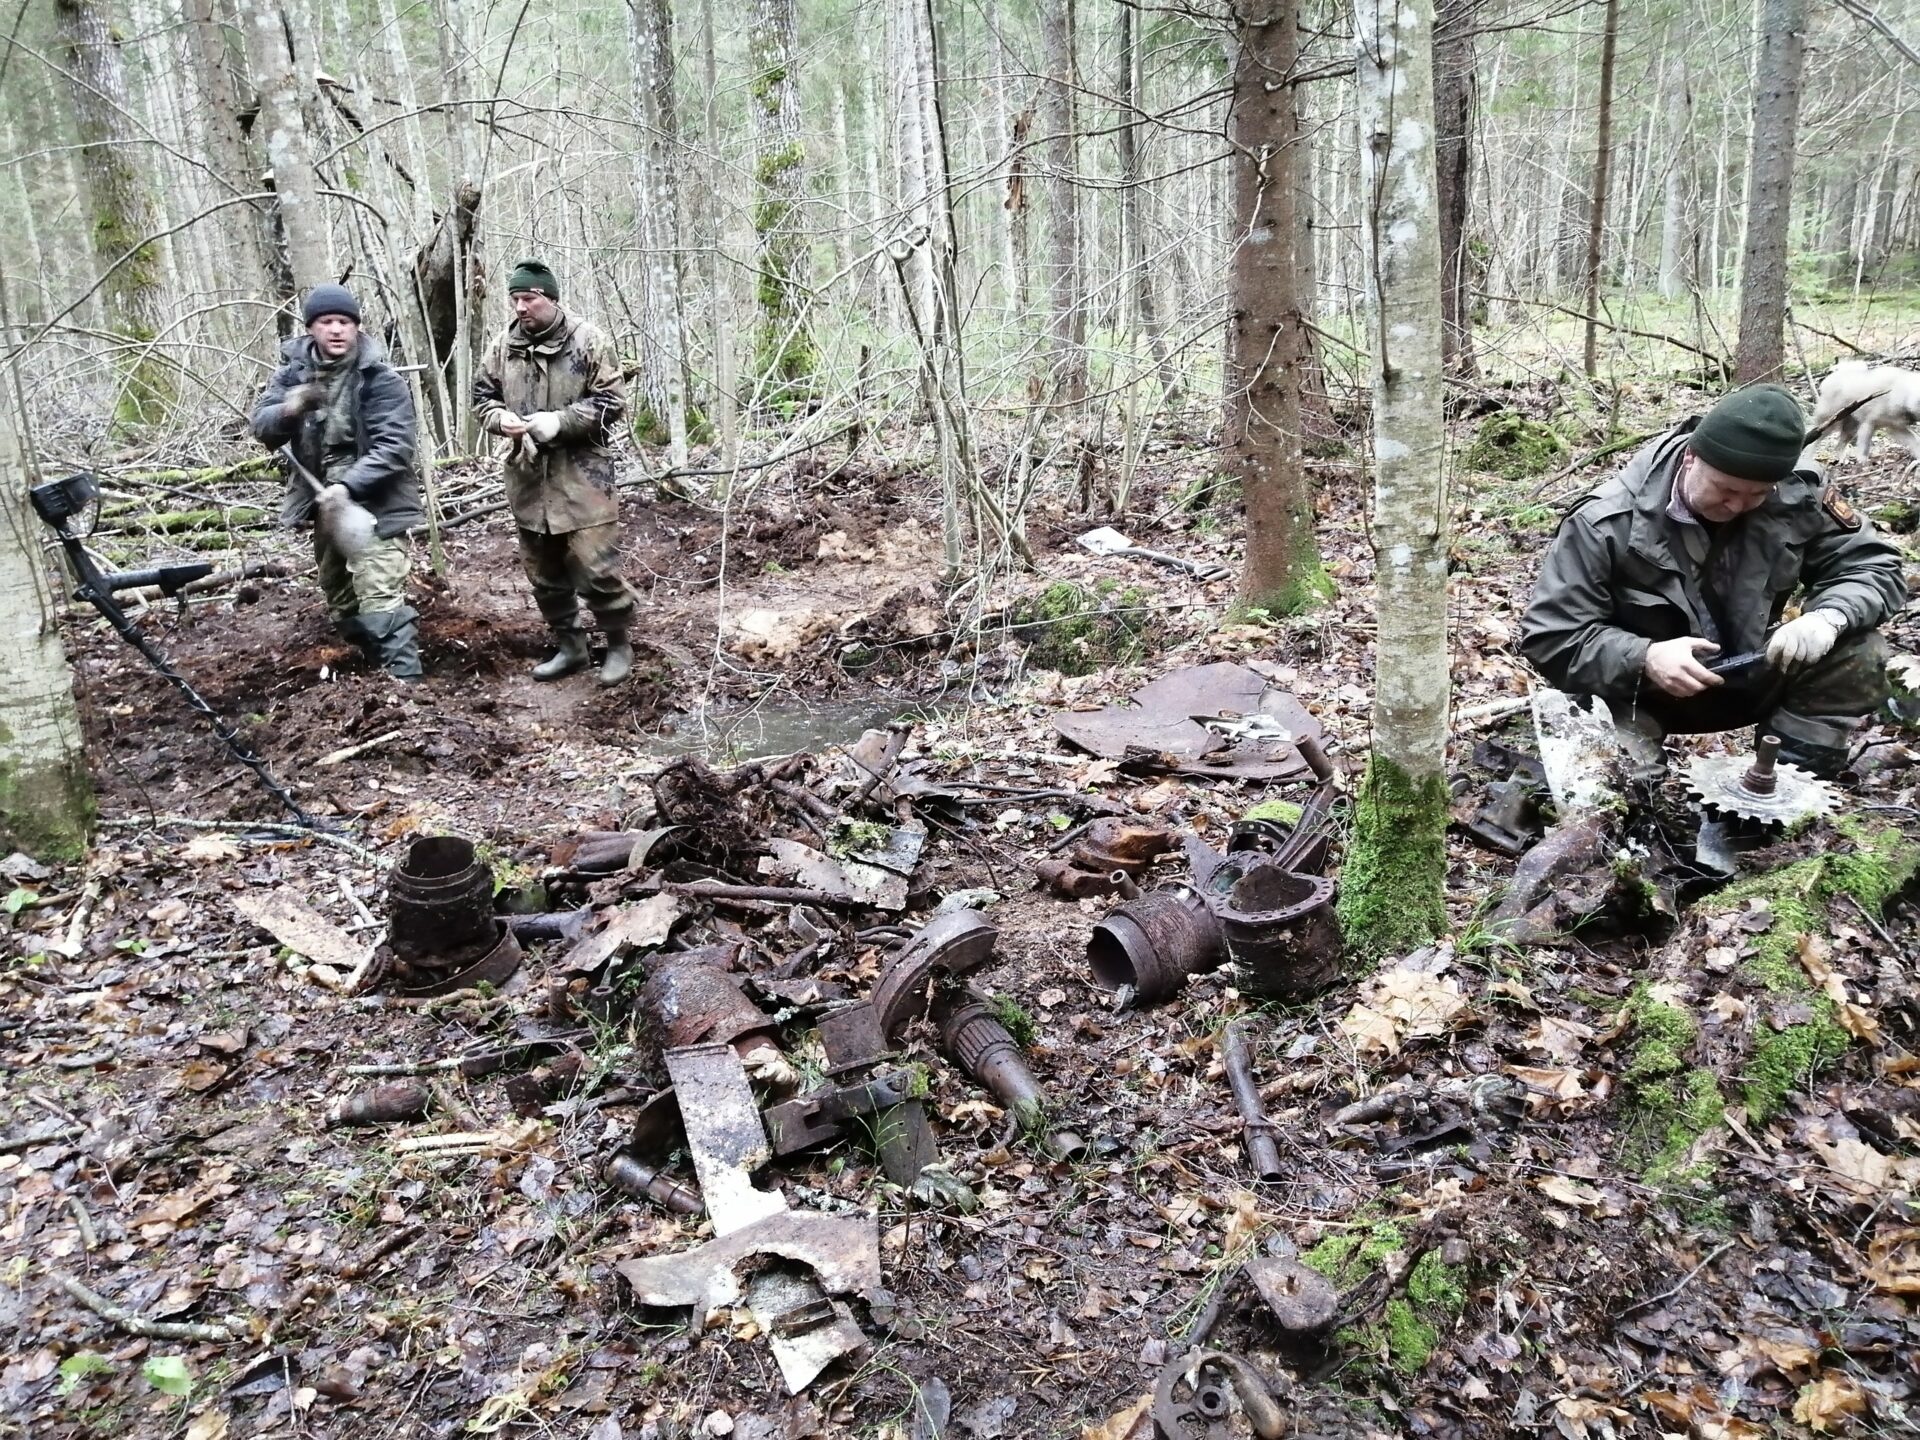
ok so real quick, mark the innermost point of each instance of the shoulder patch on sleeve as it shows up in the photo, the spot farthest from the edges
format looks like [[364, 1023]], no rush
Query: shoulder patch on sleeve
[[1835, 504]]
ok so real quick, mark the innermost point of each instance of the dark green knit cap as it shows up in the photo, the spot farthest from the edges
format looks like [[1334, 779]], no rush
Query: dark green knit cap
[[1756, 433], [532, 275]]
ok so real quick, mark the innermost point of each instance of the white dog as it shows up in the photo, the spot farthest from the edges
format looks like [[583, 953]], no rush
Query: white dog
[[1889, 400]]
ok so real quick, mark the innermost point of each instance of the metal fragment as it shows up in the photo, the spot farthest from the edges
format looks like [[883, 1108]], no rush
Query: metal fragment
[[950, 944], [1302, 1300], [648, 1182], [843, 1251], [724, 1134]]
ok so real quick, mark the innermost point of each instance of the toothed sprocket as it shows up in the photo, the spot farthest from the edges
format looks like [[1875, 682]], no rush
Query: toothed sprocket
[[1721, 784]]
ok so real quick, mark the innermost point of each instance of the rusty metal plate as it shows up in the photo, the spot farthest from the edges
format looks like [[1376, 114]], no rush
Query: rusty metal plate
[[852, 1037], [952, 944], [1161, 721], [843, 1251]]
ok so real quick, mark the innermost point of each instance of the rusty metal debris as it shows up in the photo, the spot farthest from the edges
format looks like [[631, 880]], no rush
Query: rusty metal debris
[[1301, 1300], [1211, 1381], [440, 900], [724, 1134], [950, 944], [820, 1116], [691, 1001], [1162, 729], [382, 1105], [1254, 1125], [1766, 792], [1106, 857], [495, 967], [1277, 926], [637, 1178], [848, 879], [986, 1050], [1152, 944]]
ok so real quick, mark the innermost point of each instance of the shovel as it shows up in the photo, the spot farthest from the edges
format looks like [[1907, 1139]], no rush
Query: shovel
[[1108, 541], [344, 521]]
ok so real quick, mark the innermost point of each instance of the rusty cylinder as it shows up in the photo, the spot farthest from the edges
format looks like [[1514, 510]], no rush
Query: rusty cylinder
[[988, 1052], [644, 1182]]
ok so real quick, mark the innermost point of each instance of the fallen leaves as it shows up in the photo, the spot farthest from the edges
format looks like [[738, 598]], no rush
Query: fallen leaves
[[1412, 1000], [1827, 1402], [1129, 1423], [1893, 1261]]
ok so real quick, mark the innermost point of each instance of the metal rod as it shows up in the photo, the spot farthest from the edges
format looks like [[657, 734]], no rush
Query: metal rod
[[1257, 1129]]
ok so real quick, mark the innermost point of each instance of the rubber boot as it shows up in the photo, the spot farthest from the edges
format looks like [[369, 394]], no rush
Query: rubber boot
[[1826, 762], [396, 641], [356, 634], [619, 662], [571, 656]]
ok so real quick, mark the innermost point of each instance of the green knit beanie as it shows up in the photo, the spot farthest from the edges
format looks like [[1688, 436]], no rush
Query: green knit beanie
[[1756, 433], [532, 275]]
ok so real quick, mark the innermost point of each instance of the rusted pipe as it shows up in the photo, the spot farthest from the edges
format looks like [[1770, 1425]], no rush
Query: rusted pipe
[[1257, 1129], [987, 1051], [633, 1175]]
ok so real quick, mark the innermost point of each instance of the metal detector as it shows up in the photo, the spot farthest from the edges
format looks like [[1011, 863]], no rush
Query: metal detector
[[59, 503]]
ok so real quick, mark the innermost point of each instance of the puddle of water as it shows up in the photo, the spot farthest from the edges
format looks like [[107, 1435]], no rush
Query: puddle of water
[[781, 727]]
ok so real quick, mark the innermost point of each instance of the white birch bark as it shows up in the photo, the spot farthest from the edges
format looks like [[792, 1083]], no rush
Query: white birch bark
[[46, 797], [289, 151], [657, 181]]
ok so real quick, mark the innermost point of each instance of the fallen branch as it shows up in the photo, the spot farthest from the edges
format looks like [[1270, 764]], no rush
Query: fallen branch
[[1685, 1280], [1583, 461], [138, 1324], [1491, 710], [40, 1137], [268, 832], [348, 752]]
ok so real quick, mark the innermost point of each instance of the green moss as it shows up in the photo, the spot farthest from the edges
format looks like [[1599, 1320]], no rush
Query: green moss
[[1663, 1037], [1436, 1285], [1284, 811], [1077, 630], [1787, 1059], [1696, 1108], [1346, 1257], [1410, 1339], [1011, 1014], [1902, 517], [46, 811], [1392, 891], [1409, 1329], [1510, 445], [852, 836]]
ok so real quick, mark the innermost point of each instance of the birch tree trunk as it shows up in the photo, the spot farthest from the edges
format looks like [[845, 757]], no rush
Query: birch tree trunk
[[1067, 321], [1144, 310], [259, 244], [296, 187], [1602, 175], [1676, 218], [663, 376], [121, 205], [785, 362], [1392, 883], [1763, 261], [1453, 93], [46, 795], [1267, 351]]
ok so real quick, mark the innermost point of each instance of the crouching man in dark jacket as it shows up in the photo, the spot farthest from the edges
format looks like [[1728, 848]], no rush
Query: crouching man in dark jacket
[[347, 418], [1693, 551]]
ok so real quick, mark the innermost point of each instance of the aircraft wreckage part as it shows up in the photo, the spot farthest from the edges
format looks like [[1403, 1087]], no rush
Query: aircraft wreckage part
[[1278, 926], [1255, 1126], [696, 1004], [382, 1105], [843, 1251], [852, 1037], [1070, 880], [1211, 1379], [496, 967], [1767, 791], [987, 1052], [1302, 1300], [950, 944], [1154, 943], [806, 1331], [823, 1115], [1159, 726], [440, 899], [648, 1182], [724, 1134]]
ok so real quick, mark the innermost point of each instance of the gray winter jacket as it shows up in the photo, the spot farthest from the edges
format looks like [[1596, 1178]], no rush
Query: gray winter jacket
[[382, 476]]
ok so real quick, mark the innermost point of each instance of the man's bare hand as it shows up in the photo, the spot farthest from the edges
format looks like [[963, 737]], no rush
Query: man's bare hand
[[511, 425], [1674, 666]]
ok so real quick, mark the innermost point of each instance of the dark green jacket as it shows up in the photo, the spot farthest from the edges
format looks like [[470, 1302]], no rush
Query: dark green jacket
[[382, 476], [1621, 573]]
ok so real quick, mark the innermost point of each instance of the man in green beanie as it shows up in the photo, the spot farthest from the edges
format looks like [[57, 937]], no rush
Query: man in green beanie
[[551, 386], [1693, 551]]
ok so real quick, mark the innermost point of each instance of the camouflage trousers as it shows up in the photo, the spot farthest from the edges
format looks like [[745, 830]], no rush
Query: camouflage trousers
[[578, 565], [1821, 705], [371, 583]]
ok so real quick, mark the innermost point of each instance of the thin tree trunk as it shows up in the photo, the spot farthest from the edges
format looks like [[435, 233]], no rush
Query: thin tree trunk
[[785, 363], [1144, 309], [657, 161], [1453, 95], [1676, 209], [1602, 176], [46, 795], [296, 187], [1067, 325], [1392, 894], [121, 204], [1267, 336], [1763, 262]]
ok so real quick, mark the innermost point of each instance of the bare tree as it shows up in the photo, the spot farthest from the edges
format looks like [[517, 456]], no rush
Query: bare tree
[[663, 375], [1145, 310], [1267, 352], [121, 203], [1602, 175], [1763, 261], [1454, 89], [270, 51], [1392, 891], [1067, 323], [785, 362]]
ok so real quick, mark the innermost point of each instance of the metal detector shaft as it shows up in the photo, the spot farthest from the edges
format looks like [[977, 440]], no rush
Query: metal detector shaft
[[94, 589]]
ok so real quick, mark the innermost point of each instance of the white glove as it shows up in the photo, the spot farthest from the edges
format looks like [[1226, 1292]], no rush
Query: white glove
[[334, 495], [544, 426], [1804, 641]]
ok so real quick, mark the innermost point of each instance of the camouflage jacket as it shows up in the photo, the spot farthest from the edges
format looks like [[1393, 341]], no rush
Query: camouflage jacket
[[382, 476], [1622, 573], [570, 368]]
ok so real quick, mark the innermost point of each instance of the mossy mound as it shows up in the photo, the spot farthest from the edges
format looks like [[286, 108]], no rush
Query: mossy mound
[[1076, 629], [1514, 447], [1409, 1328]]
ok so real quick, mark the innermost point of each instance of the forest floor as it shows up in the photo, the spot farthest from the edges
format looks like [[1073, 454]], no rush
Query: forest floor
[[1700, 1222]]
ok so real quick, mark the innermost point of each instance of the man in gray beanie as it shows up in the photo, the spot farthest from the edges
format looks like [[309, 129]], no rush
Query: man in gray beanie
[[346, 417], [1693, 550]]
